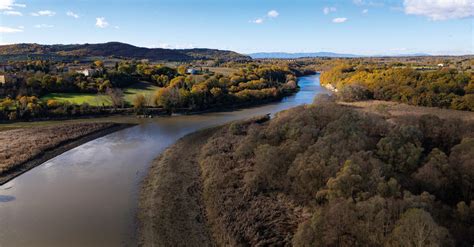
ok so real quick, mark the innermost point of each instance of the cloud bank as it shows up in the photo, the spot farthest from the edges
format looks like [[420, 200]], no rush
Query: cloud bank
[[438, 10]]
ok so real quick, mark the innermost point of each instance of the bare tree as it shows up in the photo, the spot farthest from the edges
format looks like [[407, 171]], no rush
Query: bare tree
[[116, 97]]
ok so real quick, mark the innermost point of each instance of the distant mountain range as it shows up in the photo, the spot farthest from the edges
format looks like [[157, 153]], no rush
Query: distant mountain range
[[119, 50], [284, 55]]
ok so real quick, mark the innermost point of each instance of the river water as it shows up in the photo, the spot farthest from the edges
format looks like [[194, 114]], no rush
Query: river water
[[88, 196]]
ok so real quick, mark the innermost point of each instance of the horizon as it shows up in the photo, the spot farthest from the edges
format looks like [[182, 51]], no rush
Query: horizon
[[265, 52], [359, 27]]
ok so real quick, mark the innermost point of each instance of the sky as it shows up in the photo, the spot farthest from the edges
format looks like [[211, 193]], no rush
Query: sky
[[362, 27]]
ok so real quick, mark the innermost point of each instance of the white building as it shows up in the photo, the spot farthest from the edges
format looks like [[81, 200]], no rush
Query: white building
[[192, 71], [86, 72]]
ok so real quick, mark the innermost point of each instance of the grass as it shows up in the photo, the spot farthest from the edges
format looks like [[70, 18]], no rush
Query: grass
[[144, 88], [222, 70], [78, 98], [20, 145]]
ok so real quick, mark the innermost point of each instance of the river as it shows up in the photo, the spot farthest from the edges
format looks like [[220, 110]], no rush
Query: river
[[88, 196]]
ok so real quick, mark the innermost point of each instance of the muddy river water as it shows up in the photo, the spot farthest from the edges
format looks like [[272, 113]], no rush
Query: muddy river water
[[88, 196]]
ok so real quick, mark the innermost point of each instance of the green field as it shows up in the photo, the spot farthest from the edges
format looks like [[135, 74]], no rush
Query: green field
[[144, 88]]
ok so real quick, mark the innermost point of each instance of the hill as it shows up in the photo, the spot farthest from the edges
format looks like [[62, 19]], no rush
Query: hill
[[117, 49]]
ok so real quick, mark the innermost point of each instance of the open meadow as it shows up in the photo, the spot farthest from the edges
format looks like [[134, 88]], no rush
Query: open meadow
[[144, 88]]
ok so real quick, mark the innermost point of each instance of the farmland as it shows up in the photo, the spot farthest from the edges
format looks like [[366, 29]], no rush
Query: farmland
[[144, 88]]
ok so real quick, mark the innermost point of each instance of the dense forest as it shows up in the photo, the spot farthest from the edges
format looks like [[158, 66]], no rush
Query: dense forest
[[443, 87], [327, 175]]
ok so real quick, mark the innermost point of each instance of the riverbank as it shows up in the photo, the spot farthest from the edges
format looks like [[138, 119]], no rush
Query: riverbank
[[170, 210], [240, 183], [24, 149]]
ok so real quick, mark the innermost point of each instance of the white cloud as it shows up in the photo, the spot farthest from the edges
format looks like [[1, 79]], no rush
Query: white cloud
[[9, 4], [270, 15], [365, 11], [72, 14], [339, 20], [257, 21], [273, 14], [9, 30], [12, 13], [374, 3], [328, 10], [168, 46], [100, 22], [44, 13], [43, 26], [438, 10]]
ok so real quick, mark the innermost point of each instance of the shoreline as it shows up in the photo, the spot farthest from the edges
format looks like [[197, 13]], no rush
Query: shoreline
[[170, 208], [58, 150], [159, 112]]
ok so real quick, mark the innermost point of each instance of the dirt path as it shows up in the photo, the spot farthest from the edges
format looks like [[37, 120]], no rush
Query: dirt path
[[170, 207]]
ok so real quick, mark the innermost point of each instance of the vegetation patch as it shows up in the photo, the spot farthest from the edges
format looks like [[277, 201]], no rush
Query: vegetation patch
[[443, 87], [328, 175]]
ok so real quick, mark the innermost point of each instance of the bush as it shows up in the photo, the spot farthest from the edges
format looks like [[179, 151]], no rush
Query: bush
[[353, 93]]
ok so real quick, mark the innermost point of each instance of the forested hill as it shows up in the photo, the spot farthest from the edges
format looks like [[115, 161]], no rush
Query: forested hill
[[122, 50]]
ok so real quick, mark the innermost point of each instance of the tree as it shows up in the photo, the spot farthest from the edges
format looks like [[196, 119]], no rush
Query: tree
[[354, 92], [99, 64], [182, 69], [168, 98], [416, 228], [436, 175], [116, 97], [461, 160], [139, 102], [401, 149]]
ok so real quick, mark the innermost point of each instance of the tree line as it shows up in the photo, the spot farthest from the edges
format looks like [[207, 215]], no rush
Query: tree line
[[444, 87], [179, 91]]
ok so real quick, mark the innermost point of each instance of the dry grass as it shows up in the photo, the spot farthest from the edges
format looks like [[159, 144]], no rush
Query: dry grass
[[222, 70], [170, 208], [393, 110], [18, 146]]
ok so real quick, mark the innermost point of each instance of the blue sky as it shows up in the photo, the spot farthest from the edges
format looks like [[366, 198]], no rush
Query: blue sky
[[366, 27]]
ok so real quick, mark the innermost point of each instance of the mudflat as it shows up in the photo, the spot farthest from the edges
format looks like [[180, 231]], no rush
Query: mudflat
[[171, 211], [22, 149]]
